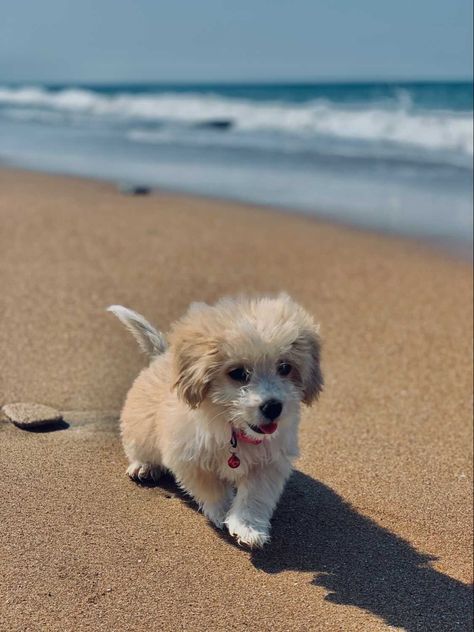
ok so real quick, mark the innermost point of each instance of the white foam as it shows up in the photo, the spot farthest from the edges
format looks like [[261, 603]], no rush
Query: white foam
[[399, 123]]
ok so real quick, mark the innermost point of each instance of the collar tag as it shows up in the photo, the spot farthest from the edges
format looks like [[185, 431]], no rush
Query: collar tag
[[233, 461]]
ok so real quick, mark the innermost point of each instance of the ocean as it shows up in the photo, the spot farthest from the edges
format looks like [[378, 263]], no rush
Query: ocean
[[395, 157]]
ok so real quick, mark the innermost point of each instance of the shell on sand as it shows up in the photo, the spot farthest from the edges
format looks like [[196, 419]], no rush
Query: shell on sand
[[27, 415]]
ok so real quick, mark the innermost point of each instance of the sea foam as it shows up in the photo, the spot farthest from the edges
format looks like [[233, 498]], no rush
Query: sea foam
[[396, 122]]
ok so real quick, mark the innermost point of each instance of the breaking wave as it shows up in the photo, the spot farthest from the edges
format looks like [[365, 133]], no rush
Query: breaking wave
[[394, 122]]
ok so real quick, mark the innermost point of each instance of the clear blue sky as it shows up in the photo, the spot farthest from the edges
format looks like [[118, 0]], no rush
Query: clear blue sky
[[196, 40]]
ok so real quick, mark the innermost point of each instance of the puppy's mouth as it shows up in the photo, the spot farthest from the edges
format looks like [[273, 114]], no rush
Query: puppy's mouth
[[266, 429]]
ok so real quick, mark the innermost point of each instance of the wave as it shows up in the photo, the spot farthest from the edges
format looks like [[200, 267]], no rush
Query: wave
[[396, 123]]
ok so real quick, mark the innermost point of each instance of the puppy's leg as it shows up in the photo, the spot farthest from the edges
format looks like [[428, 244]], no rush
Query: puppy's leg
[[213, 496], [257, 496], [142, 467], [143, 471]]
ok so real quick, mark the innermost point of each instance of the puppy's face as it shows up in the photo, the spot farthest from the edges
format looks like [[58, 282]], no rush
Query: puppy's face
[[256, 394], [251, 361]]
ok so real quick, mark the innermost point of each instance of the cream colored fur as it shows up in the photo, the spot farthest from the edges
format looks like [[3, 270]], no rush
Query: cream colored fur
[[180, 411]]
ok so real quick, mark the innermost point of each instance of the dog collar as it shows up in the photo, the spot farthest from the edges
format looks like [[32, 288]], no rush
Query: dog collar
[[234, 461], [243, 437]]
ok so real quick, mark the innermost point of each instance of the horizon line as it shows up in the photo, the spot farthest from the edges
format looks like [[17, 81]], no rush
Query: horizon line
[[237, 82]]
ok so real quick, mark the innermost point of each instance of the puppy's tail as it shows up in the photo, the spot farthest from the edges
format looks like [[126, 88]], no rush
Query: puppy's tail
[[150, 340]]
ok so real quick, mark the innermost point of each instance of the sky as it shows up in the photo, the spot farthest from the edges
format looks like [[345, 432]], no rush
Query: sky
[[243, 40]]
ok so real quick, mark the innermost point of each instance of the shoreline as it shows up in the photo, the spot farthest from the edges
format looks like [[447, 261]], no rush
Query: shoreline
[[375, 527], [447, 246]]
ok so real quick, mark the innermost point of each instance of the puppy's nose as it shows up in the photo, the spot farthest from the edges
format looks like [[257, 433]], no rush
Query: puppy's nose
[[271, 409]]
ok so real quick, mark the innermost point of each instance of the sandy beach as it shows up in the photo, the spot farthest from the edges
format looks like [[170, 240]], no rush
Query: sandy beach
[[375, 529]]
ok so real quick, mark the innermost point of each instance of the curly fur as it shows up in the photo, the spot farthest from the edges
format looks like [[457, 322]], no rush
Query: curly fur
[[180, 412]]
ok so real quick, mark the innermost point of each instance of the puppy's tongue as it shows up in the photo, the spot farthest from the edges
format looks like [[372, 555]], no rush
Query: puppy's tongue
[[269, 428]]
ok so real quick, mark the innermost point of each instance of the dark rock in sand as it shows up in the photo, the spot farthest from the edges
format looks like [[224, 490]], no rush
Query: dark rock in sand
[[134, 189], [25, 415]]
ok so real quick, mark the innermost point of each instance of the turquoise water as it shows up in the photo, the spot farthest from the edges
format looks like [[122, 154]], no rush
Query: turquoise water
[[392, 156]]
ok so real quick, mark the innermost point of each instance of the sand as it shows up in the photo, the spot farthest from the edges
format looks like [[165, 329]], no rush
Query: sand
[[375, 527]]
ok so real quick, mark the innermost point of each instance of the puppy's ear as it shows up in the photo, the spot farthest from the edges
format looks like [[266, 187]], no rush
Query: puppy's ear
[[195, 359], [308, 349]]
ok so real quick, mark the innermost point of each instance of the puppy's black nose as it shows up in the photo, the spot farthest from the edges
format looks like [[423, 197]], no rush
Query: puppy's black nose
[[271, 409]]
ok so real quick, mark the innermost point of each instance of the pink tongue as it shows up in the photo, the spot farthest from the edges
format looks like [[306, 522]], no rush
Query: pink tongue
[[269, 428]]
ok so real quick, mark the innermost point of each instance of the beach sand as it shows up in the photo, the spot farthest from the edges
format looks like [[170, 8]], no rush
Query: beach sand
[[375, 527]]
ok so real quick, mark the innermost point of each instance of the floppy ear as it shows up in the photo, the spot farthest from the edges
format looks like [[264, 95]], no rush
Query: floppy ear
[[195, 364], [308, 348]]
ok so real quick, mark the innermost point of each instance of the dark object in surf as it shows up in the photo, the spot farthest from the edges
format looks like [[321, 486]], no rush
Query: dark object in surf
[[221, 124]]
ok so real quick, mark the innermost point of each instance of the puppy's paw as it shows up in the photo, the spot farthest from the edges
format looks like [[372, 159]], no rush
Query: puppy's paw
[[142, 472], [216, 512], [246, 533]]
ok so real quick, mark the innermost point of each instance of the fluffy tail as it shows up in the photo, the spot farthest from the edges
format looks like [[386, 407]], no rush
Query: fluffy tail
[[151, 341]]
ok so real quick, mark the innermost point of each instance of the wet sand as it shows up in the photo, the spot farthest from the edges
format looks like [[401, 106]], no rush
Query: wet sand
[[375, 527]]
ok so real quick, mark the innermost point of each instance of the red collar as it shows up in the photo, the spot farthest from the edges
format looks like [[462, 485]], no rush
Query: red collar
[[245, 439], [234, 461]]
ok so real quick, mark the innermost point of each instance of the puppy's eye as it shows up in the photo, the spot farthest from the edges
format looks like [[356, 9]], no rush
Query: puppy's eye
[[284, 369], [239, 374]]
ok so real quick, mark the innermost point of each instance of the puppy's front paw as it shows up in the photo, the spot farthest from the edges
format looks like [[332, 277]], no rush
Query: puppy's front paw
[[143, 472], [215, 513], [246, 533]]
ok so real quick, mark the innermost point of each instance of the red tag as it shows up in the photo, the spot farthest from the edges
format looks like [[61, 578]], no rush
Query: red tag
[[233, 461]]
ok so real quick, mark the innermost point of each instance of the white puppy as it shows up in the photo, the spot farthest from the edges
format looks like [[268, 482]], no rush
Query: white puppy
[[219, 405]]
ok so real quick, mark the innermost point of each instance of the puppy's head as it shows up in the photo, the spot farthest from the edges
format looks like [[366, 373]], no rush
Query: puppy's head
[[252, 361]]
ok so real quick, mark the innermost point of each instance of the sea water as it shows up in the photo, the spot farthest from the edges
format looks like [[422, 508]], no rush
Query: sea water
[[390, 156]]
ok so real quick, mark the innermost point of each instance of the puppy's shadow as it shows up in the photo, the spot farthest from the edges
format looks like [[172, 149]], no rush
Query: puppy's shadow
[[165, 485], [359, 563]]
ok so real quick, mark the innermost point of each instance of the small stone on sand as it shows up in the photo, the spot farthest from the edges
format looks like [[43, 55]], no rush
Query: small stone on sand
[[134, 189], [26, 415]]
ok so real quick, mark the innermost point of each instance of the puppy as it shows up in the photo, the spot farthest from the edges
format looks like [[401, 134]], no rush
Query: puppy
[[219, 405]]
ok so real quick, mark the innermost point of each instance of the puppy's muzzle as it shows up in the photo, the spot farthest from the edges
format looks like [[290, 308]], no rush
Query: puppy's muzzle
[[271, 409]]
